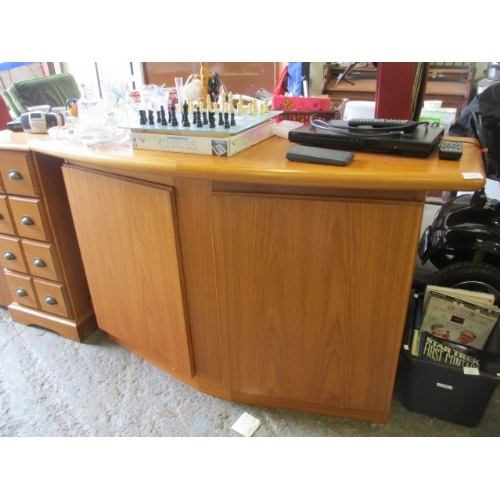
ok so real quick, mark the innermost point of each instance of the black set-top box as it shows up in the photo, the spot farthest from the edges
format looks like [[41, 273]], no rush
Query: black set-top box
[[422, 141]]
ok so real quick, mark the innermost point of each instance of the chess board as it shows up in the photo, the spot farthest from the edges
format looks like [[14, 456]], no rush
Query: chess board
[[241, 123], [218, 140]]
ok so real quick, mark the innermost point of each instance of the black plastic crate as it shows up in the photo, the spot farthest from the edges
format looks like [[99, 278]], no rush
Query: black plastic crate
[[444, 391]]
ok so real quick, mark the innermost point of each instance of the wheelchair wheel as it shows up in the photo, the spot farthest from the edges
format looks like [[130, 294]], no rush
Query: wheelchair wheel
[[473, 276], [440, 260]]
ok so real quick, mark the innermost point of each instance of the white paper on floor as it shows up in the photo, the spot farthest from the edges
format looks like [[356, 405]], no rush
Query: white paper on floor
[[246, 425]]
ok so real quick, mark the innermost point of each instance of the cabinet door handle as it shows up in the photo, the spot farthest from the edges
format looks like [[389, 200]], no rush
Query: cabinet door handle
[[21, 293], [27, 221], [39, 263], [9, 256], [14, 175], [50, 300]]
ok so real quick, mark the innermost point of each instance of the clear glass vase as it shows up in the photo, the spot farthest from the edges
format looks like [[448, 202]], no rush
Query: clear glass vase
[[91, 110]]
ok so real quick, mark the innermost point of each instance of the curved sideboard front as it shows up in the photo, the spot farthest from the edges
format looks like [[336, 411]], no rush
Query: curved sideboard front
[[253, 278]]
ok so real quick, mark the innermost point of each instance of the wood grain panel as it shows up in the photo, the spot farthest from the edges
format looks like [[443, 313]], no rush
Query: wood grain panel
[[265, 163], [34, 209], [53, 298], [66, 254], [5, 295], [11, 254], [21, 289], [6, 224], [46, 252], [313, 295], [21, 163], [128, 238], [195, 231], [35, 188], [74, 330]]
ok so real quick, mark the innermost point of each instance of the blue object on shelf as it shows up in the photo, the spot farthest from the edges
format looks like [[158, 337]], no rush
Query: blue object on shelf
[[5, 66]]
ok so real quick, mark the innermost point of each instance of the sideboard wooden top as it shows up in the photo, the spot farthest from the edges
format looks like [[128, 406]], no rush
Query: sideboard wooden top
[[265, 163]]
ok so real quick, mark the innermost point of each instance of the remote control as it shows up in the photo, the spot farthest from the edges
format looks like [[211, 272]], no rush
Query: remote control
[[450, 150], [405, 125], [310, 154]]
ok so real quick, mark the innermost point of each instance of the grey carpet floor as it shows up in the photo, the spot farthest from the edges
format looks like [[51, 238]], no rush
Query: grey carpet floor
[[50, 386]]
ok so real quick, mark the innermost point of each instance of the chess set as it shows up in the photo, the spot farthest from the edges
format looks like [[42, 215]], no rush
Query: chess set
[[211, 130]]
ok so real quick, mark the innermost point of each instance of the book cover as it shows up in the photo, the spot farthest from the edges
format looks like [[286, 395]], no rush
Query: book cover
[[417, 322], [447, 352], [458, 321], [486, 299], [415, 343], [419, 310]]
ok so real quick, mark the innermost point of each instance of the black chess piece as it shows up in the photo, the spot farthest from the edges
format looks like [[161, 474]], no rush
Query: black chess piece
[[163, 118], [221, 120], [199, 122], [211, 119], [226, 120], [214, 84], [143, 119], [151, 117], [185, 115], [233, 120], [205, 119], [194, 117], [175, 123], [158, 117]]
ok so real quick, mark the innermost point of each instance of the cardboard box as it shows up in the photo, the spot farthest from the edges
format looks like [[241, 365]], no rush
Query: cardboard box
[[202, 143], [289, 104], [300, 109]]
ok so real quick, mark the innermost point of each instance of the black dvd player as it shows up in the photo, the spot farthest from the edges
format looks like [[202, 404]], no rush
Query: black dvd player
[[421, 142]]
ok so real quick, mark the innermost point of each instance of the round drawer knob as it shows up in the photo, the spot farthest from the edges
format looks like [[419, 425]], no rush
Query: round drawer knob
[[9, 256], [21, 293], [39, 263], [27, 221], [50, 300], [14, 175]]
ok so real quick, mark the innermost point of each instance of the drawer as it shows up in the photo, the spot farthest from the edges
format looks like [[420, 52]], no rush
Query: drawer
[[30, 218], [42, 261], [6, 225], [18, 173], [11, 254], [21, 289], [53, 297]]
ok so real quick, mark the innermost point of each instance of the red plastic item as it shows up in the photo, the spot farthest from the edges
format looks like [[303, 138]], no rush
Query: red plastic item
[[4, 115]]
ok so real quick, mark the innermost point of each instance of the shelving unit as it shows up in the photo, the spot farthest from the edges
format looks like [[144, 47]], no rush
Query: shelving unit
[[451, 84]]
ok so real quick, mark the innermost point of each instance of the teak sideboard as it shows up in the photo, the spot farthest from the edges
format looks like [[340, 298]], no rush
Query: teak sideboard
[[252, 278]]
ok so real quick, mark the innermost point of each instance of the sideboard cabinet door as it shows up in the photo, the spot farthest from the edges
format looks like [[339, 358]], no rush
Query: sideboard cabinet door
[[127, 232]]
